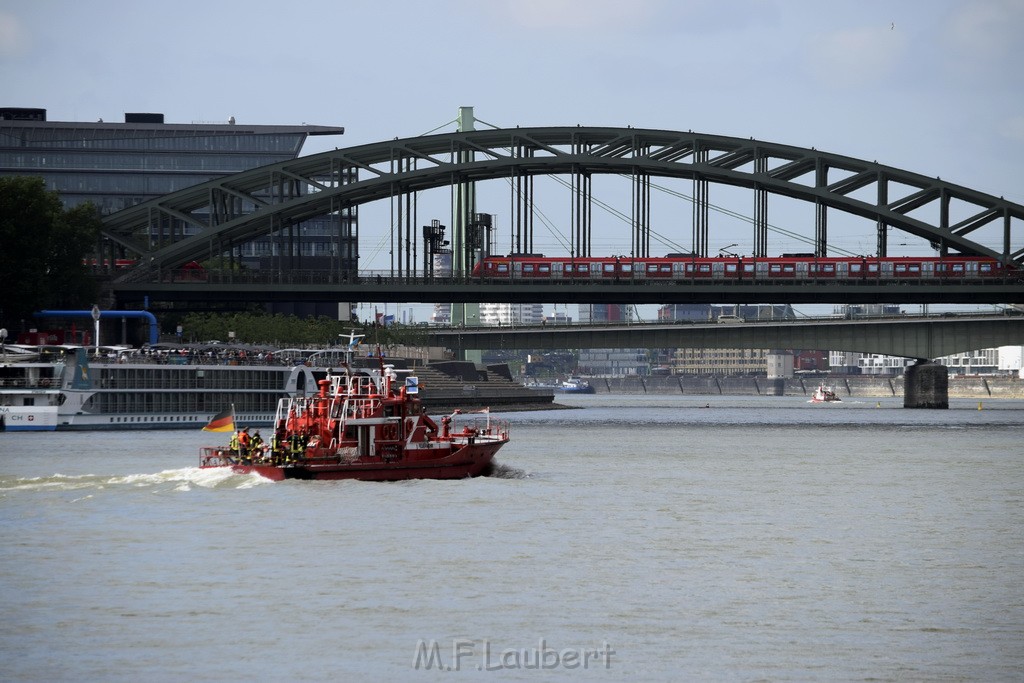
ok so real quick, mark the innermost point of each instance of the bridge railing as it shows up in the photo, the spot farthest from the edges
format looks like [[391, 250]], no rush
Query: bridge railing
[[292, 276]]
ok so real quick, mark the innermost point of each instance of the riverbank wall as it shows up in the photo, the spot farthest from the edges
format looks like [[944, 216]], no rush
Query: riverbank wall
[[854, 386]]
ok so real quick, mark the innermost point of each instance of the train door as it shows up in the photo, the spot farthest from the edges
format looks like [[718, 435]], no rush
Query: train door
[[801, 270], [761, 270], [842, 271], [556, 270], [717, 270]]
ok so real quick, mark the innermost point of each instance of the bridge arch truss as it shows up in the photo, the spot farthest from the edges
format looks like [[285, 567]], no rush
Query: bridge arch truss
[[239, 208]]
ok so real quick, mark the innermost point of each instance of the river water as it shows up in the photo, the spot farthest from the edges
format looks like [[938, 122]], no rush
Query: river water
[[638, 538]]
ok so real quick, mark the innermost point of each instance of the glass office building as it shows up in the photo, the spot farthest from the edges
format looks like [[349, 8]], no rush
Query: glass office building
[[118, 165]]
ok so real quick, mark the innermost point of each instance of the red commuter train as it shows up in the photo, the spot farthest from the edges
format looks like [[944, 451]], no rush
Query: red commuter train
[[786, 267]]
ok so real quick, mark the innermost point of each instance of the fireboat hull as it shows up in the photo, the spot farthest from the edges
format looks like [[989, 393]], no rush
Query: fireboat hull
[[473, 466]]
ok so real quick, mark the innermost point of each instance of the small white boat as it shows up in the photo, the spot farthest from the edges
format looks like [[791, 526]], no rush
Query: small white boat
[[824, 394]]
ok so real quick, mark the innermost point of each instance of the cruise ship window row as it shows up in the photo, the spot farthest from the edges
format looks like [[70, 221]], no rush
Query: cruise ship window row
[[131, 402], [115, 378]]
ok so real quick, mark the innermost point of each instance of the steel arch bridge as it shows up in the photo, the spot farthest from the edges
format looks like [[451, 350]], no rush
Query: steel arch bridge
[[230, 211]]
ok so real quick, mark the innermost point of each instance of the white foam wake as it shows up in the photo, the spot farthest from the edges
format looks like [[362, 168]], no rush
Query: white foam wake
[[183, 479]]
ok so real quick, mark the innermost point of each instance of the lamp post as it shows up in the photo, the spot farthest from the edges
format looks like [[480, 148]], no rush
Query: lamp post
[[3, 339], [96, 322]]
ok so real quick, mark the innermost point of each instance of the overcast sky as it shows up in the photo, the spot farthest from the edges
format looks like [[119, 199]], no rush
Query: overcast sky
[[930, 86]]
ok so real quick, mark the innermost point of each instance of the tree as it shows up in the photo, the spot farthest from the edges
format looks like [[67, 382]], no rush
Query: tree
[[42, 250]]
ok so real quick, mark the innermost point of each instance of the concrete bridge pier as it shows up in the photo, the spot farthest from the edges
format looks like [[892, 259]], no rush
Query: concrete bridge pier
[[926, 385]]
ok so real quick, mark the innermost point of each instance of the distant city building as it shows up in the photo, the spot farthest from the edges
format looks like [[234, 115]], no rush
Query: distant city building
[[847, 363], [719, 362], [780, 364], [558, 317], [603, 313], [1004, 360], [685, 361], [1011, 360], [611, 362], [867, 310], [697, 313], [511, 314]]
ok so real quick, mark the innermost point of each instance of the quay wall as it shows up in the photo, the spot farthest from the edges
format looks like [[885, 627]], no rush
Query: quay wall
[[855, 386]]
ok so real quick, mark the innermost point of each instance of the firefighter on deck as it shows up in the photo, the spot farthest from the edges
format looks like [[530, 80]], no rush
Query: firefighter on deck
[[277, 447], [243, 443], [256, 446]]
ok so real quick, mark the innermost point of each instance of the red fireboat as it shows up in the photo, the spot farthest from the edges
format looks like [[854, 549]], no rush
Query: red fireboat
[[366, 424]]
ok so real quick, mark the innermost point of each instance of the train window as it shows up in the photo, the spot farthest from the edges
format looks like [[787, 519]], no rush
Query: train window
[[828, 267], [748, 267], [527, 267], [666, 268], [582, 267], [854, 267], [985, 267], [775, 268], [872, 267], [704, 267], [652, 267], [544, 268], [901, 268], [914, 267], [627, 267], [609, 267], [730, 267], [502, 267]]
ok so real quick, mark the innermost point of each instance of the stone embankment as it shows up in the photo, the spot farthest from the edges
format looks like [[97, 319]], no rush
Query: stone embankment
[[854, 386], [458, 384]]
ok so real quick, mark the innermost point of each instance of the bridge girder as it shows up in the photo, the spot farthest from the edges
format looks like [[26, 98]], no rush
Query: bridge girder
[[247, 205], [910, 337]]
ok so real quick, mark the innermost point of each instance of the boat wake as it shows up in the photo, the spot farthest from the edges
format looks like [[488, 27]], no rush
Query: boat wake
[[184, 479], [499, 471]]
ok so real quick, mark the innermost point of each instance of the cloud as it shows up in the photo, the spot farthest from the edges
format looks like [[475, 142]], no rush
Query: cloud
[[858, 56], [13, 38], [619, 18], [986, 28], [1012, 128], [576, 15]]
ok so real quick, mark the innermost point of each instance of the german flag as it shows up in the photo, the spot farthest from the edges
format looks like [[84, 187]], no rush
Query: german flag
[[223, 421]]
